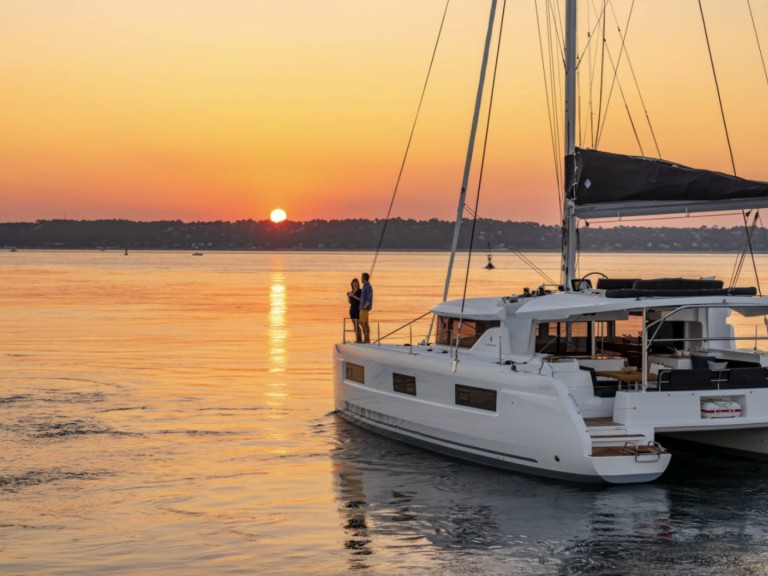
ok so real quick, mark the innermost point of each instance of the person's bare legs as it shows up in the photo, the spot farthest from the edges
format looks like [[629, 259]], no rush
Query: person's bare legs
[[358, 333]]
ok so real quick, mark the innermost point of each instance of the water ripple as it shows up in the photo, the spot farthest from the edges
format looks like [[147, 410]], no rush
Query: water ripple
[[30, 478]]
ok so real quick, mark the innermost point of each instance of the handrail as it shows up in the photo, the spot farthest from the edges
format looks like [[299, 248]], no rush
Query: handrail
[[724, 338], [401, 327], [380, 338]]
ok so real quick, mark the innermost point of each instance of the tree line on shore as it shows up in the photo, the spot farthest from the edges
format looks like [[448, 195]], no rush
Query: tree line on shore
[[362, 234]]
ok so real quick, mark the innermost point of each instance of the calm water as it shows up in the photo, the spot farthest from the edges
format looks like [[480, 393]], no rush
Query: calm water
[[168, 414]]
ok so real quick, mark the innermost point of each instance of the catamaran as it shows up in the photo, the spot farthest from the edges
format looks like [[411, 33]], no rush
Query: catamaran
[[543, 381]]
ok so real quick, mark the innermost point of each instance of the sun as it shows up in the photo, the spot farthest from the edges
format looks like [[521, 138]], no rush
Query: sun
[[278, 215]]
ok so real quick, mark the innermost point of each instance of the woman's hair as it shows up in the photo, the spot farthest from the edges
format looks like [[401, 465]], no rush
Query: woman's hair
[[352, 284]]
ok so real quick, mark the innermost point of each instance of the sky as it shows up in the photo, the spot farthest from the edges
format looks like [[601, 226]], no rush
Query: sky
[[227, 109]]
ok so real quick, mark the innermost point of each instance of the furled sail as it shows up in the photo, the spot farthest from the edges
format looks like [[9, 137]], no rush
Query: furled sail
[[614, 185]]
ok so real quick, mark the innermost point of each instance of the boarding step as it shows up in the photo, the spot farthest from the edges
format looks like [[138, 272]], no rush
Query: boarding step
[[607, 432], [650, 452], [617, 439], [612, 434], [613, 439]]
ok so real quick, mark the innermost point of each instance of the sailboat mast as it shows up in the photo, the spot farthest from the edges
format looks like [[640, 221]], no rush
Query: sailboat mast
[[569, 216], [470, 148]]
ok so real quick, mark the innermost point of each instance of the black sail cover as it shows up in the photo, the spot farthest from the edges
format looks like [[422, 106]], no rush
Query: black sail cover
[[614, 185]]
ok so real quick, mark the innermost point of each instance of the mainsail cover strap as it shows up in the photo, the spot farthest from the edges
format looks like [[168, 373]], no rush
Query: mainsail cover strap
[[615, 185]]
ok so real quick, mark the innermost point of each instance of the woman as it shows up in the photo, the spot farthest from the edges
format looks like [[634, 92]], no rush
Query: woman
[[354, 307]]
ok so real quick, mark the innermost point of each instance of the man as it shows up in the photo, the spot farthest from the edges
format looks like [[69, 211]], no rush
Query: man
[[366, 304]]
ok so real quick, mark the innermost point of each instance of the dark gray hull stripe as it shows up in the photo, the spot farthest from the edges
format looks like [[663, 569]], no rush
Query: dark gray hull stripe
[[360, 419], [472, 458], [495, 462]]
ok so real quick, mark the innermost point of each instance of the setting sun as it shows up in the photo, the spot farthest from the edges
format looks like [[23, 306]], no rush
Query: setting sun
[[278, 215]]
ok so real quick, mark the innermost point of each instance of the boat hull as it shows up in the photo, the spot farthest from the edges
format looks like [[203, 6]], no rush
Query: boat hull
[[747, 443], [536, 427], [684, 416]]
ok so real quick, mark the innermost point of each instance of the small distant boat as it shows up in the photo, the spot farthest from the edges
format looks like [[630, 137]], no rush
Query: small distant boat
[[126, 251], [197, 254], [13, 250]]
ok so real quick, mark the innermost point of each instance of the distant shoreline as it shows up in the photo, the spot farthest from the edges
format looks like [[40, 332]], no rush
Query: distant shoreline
[[362, 235], [479, 253]]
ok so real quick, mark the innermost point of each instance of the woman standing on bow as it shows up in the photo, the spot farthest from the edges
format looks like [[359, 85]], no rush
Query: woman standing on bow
[[354, 307]]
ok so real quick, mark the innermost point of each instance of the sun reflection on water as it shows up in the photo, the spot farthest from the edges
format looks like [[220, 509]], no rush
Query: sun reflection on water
[[278, 335], [277, 331]]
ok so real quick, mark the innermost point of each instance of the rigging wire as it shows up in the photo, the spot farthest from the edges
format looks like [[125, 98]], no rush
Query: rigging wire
[[615, 66], [591, 33], [410, 137], [757, 38], [639, 93], [556, 90], [749, 231], [588, 113], [717, 86], [590, 74], [602, 73], [534, 267], [480, 177], [552, 133], [623, 55], [590, 51], [752, 254], [559, 29]]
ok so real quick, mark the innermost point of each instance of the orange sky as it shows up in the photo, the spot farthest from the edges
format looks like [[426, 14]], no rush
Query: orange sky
[[226, 109]]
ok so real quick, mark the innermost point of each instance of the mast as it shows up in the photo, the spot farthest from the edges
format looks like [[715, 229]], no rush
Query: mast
[[470, 148], [569, 216]]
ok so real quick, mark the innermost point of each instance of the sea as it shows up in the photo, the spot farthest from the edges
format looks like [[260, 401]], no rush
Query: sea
[[165, 413]]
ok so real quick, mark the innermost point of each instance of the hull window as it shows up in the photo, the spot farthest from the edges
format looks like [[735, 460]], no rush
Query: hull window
[[476, 397], [355, 372], [404, 384]]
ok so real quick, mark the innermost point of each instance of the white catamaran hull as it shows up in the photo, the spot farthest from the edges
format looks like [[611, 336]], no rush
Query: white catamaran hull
[[536, 426]]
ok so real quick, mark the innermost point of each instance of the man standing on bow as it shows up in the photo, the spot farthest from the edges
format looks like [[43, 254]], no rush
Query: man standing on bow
[[366, 304]]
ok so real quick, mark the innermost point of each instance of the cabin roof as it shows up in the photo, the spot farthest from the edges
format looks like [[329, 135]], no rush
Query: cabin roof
[[590, 305], [570, 306], [474, 308]]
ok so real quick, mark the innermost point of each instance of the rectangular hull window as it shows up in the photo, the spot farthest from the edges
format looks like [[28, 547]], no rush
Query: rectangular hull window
[[476, 397], [404, 384], [355, 372]]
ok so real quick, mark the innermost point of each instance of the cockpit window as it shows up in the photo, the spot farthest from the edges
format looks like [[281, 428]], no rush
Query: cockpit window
[[471, 330], [553, 338]]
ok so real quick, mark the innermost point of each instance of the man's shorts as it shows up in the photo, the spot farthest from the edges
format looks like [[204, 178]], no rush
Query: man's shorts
[[364, 315]]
